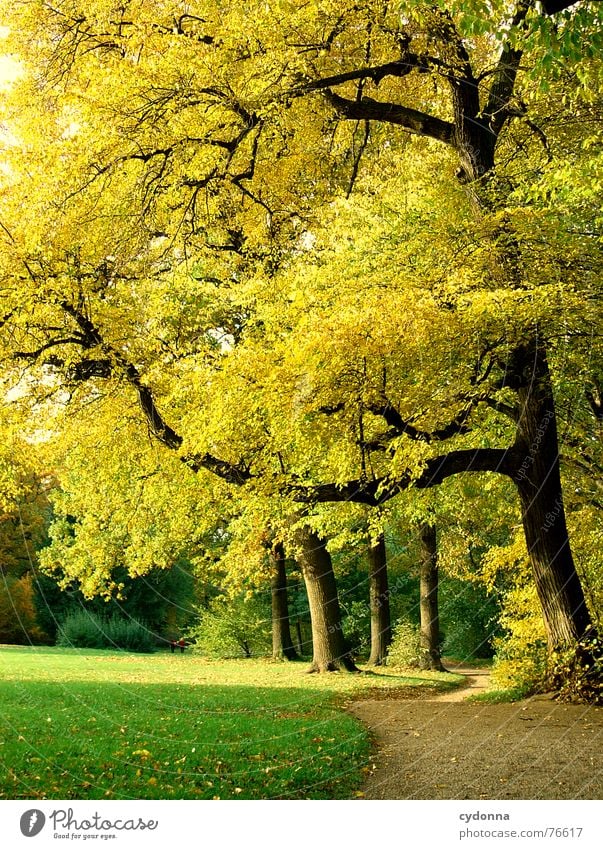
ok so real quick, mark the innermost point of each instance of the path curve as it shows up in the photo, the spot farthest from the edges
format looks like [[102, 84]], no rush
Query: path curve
[[478, 681], [445, 747]]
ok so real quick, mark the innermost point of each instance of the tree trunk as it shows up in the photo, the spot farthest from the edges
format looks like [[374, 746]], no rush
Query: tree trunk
[[282, 644], [381, 631], [428, 600], [299, 638], [566, 617], [330, 649]]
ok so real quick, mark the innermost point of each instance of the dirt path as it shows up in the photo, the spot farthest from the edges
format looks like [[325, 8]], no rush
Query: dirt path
[[478, 681], [448, 748]]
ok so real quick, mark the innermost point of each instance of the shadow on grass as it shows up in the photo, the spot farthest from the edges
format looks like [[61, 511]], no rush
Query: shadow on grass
[[92, 741]]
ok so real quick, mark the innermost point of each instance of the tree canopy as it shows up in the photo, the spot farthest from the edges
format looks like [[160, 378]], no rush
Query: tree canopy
[[325, 258]]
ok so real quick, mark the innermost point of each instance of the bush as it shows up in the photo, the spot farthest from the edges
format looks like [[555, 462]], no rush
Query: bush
[[81, 630], [129, 634], [86, 630], [520, 666], [356, 624], [520, 662], [163, 599], [405, 648], [230, 628]]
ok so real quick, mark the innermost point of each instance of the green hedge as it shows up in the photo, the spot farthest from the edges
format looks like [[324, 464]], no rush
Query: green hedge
[[87, 630]]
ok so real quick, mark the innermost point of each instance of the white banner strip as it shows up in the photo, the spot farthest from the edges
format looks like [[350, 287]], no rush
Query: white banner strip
[[301, 825]]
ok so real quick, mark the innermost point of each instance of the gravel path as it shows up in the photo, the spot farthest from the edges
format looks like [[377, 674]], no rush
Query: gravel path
[[448, 748]]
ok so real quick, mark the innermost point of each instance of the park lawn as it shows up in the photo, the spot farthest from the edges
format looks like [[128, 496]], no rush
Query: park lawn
[[91, 724]]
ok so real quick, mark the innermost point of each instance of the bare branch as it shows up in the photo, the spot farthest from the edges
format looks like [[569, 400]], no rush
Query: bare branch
[[53, 343], [358, 156]]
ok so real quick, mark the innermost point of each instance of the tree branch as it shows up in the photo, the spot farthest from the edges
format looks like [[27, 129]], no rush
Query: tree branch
[[412, 120], [400, 427], [235, 474], [160, 429], [53, 343], [497, 109], [594, 396], [437, 469], [400, 68]]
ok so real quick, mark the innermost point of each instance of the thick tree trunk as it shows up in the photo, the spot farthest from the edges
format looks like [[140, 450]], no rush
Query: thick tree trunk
[[566, 617], [381, 631], [330, 650], [282, 644], [428, 600], [538, 480]]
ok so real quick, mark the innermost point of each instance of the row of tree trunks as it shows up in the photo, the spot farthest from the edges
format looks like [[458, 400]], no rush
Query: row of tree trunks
[[330, 649], [535, 454]]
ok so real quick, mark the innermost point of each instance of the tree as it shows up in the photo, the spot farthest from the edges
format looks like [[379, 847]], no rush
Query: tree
[[18, 621], [349, 77], [232, 627], [474, 134]]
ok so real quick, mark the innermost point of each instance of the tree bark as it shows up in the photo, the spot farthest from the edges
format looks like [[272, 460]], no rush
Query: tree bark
[[330, 649], [428, 600], [538, 480], [381, 631], [282, 644]]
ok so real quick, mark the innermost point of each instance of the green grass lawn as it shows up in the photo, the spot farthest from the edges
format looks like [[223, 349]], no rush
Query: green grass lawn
[[90, 724]]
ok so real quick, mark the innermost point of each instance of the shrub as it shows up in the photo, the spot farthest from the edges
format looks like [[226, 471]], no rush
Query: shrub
[[129, 634], [356, 624], [520, 666], [81, 630], [86, 630], [230, 628], [520, 662], [405, 648]]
